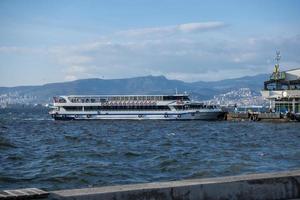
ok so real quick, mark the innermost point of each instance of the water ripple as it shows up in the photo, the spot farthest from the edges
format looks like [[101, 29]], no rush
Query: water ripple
[[39, 152]]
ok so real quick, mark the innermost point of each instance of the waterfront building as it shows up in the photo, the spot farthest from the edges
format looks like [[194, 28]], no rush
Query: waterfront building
[[283, 90]]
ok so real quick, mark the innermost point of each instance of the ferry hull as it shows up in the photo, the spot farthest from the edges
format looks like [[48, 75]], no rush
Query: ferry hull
[[217, 115]]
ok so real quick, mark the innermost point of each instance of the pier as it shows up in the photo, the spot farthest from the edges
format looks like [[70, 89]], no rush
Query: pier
[[271, 186], [257, 116]]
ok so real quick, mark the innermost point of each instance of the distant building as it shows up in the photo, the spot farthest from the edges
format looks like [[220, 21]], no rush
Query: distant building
[[283, 90]]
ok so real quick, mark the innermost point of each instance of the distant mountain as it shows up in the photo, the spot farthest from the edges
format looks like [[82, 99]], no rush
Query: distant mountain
[[252, 82], [139, 85]]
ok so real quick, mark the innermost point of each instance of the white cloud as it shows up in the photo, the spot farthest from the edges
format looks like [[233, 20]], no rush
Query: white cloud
[[70, 78], [76, 59], [19, 50], [203, 26], [76, 69], [210, 75], [185, 56], [244, 57], [167, 30]]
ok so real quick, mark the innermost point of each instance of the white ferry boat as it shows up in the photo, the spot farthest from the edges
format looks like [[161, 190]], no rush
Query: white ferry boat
[[166, 107]]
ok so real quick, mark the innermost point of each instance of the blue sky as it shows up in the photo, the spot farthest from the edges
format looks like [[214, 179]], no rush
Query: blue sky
[[54, 41]]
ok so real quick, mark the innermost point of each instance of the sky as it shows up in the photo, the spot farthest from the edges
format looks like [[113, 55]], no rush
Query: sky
[[190, 40]]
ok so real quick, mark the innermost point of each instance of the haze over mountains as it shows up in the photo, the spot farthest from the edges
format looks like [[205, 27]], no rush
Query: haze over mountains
[[140, 85]]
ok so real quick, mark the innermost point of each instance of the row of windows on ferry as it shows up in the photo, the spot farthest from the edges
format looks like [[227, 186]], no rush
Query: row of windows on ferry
[[97, 108], [127, 98], [150, 107]]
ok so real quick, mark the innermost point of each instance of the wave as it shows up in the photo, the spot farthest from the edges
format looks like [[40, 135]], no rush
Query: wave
[[132, 154], [4, 144]]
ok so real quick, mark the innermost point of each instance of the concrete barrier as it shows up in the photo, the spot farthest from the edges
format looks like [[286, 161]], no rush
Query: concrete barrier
[[269, 116], [28, 193], [267, 186]]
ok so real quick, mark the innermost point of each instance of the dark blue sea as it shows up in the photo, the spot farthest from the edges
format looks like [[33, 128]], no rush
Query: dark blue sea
[[36, 151]]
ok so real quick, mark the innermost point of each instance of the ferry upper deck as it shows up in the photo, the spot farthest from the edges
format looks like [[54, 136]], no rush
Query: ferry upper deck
[[119, 98]]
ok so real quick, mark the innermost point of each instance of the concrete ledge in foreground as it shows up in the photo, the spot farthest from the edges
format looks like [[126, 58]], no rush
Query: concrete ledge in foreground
[[267, 186], [28, 193]]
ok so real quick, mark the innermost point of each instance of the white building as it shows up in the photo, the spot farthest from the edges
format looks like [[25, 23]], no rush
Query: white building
[[283, 90]]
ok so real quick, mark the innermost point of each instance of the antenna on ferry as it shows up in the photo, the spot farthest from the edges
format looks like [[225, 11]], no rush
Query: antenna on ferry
[[176, 90]]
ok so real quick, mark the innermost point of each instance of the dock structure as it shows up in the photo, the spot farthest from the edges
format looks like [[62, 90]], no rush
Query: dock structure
[[266, 186], [283, 90], [257, 116]]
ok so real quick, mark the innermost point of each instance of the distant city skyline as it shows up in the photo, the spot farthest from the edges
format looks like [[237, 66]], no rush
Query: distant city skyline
[[54, 41]]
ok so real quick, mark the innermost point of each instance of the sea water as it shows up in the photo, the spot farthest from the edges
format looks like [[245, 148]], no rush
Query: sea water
[[36, 151]]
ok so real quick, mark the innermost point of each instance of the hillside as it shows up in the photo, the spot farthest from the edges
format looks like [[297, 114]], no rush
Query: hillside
[[139, 85]]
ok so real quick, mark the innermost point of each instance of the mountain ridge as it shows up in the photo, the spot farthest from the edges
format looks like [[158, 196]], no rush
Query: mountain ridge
[[138, 85]]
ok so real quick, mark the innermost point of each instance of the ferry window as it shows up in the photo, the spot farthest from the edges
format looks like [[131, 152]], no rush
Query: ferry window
[[59, 100], [169, 98], [179, 107], [198, 106], [186, 98], [72, 100], [92, 108], [73, 108]]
